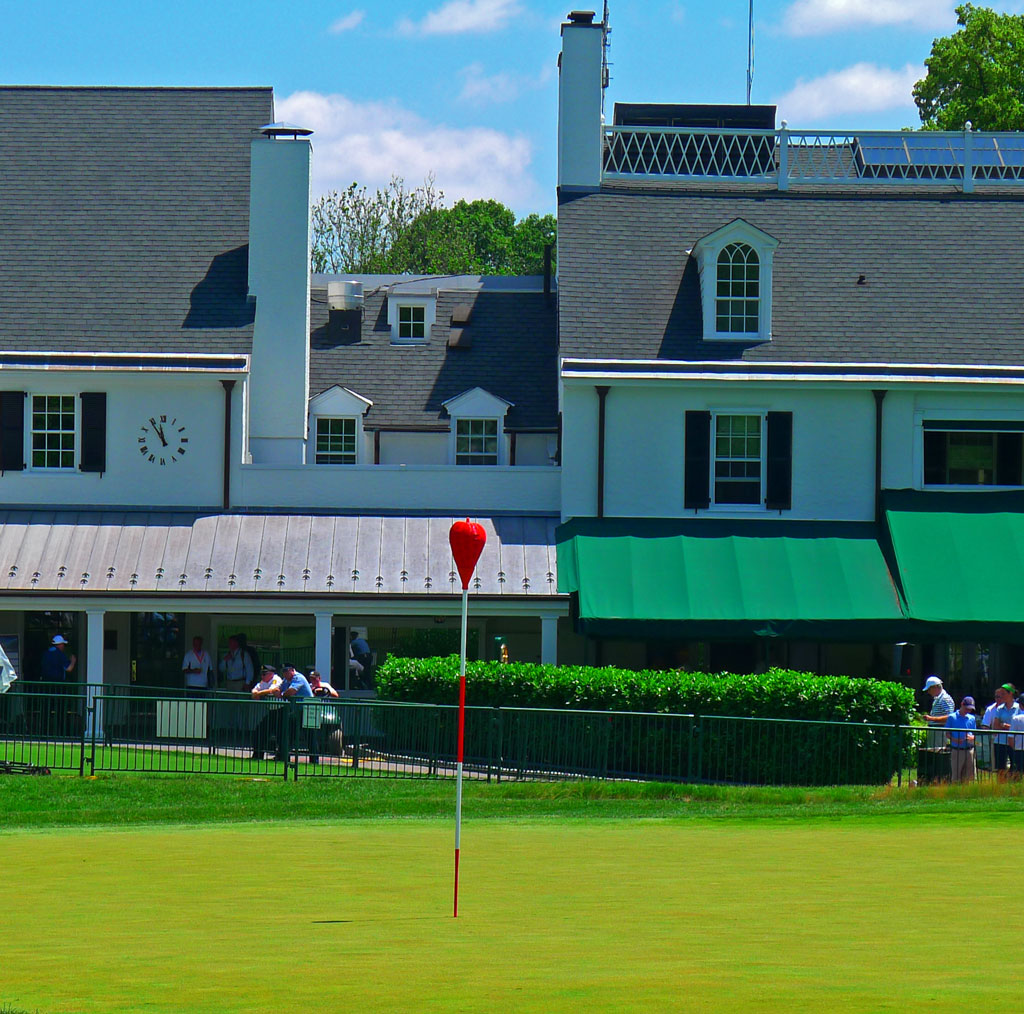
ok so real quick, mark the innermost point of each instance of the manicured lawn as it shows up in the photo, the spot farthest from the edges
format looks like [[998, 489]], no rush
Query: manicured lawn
[[574, 914]]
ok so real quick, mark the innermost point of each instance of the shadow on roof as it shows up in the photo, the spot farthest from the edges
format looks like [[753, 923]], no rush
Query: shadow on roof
[[221, 299]]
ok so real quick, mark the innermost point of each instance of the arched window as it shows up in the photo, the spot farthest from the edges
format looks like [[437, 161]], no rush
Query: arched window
[[738, 294]]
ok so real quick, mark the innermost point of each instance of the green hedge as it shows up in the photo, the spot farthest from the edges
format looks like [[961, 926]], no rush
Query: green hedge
[[779, 693], [720, 745]]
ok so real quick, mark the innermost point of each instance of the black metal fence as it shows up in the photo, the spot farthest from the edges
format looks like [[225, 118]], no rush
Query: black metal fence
[[103, 729]]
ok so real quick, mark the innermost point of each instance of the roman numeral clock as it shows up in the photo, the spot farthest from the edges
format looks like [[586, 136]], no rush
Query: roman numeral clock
[[162, 440]]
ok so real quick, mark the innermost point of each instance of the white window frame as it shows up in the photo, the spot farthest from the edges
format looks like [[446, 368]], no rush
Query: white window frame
[[399, 301], [30, 431], [993, 416], [744, 508], [707, 251], [476, 403], [356, 432], [337, 403], [498, 438]]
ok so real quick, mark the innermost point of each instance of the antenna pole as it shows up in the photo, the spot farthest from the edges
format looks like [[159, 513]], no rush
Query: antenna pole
[[750, 49]]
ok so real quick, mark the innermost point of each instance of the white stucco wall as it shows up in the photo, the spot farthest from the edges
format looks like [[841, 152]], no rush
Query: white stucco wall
[[413, 449], [131, 480], [833, 441]]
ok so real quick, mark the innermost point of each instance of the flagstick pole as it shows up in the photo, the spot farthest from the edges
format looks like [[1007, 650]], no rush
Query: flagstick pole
[[462, 730]]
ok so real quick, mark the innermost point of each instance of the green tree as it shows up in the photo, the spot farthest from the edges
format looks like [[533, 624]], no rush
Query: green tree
[[355, 231], [975, 74], [398, 231]]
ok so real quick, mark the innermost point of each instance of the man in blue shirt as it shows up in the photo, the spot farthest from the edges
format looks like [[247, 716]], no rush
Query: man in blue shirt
[[296, 690], [1006, 708], [56, 662], [960, 726]]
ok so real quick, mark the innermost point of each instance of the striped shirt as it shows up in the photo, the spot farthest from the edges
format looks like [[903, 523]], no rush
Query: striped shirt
[[942, 705]]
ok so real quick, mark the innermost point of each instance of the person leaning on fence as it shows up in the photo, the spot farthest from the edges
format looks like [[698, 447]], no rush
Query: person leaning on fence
[[319, 687], [295, 689], [1006, 709], [1017, 742], [269, 686], [960, 728]]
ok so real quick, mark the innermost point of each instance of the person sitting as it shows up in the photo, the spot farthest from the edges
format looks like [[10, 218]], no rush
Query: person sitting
[[319, 687]]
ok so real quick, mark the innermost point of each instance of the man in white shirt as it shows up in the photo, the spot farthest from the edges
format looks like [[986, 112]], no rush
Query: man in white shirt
[[1017, 742], [942, 708], [197, 668], [268, 688], [1006, 709]]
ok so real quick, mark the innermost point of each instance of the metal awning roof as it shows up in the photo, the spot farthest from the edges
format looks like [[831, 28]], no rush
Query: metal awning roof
[[124, 552]]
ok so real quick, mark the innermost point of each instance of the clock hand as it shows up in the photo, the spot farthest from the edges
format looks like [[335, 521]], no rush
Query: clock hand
[[160, 433]]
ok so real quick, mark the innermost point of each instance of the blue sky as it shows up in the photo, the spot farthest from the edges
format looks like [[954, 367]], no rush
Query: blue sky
[[466, 89]]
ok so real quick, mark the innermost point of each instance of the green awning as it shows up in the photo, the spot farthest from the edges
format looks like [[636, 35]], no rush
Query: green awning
[[960, 558], [714, 579]]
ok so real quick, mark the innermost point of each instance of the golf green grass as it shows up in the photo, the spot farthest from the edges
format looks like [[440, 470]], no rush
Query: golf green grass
[[700, 914]]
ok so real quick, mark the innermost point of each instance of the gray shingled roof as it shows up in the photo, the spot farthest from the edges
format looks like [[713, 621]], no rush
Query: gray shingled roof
[[124, 218], [943, 276], [512, 355]]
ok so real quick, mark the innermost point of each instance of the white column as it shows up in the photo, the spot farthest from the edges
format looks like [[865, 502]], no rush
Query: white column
[[549, 638], [94, 668], [324, 622]]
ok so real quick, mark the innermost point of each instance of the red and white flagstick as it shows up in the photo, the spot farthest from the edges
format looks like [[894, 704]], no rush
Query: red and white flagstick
[[467, 541]]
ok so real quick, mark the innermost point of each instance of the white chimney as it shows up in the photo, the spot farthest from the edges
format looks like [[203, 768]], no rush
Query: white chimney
[[279, 280], [580, 87]]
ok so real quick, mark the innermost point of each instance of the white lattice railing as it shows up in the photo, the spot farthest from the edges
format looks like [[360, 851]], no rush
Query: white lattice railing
[[785, 157]]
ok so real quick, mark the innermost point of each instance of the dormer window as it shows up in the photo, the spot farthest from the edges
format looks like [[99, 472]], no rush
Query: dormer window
[[411, 316], [738, 300], [735, 265], [478, 428], [336, 424], [412, 322]]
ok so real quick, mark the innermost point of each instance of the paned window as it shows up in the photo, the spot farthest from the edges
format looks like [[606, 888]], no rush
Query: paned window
[[738, 294], [969, 454], [476, 441], [53, 431], [738, 459], [412, 322], [335, 441]]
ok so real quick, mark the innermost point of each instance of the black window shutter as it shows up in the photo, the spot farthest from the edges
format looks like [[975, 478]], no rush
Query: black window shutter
[[94, 432], [1008, 459], [697, 468], [12, 431], [779, 485], [934, 457]]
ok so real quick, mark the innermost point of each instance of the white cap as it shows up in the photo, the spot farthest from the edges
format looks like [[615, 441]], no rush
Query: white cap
[[932, 681], [57, 639]]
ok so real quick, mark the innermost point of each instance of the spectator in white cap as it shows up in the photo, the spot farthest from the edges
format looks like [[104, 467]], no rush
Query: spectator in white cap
[[960, 727], [942, 708], [942, 703]]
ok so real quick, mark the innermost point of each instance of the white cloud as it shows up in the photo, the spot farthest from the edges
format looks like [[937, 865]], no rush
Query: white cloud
[[819, 17], [480, 88], [347, 23], [862, 88], [458, 16], [369, 142]]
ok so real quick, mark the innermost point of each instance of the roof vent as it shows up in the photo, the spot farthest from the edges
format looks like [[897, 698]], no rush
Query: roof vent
[[581, 17], [284, 130], [347, 295]]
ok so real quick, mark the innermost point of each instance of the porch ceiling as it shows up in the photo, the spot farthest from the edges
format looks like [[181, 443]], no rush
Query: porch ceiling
[[128, 552]]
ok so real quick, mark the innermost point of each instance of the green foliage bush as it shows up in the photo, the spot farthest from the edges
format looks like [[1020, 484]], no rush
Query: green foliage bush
[[721, 744], [778, 693]]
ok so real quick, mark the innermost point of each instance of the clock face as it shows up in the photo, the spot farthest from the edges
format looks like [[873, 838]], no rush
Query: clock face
[[162, 440]]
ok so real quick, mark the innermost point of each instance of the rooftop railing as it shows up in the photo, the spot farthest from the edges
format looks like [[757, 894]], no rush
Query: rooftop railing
[[785, 157]]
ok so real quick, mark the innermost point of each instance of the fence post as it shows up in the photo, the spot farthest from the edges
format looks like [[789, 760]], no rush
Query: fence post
[[501, 740], [968, 181], [899, 758], [694, 744], [89, 724], [783, 180]]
